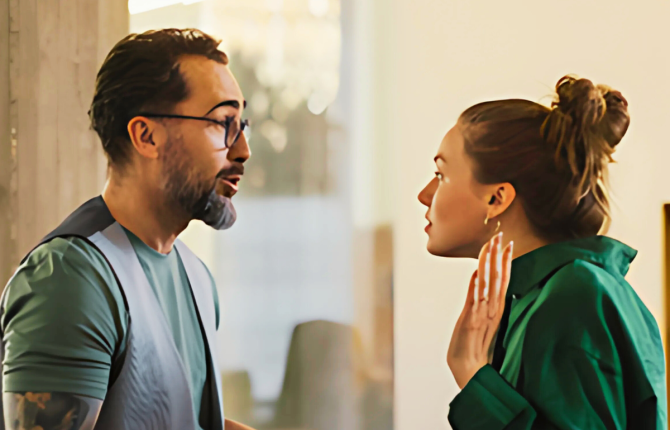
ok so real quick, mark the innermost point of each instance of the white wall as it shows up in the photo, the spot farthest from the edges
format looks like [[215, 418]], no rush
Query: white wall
[[436, 58]]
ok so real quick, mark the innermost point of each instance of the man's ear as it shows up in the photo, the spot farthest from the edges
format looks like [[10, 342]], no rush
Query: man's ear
[[499, 199], [146, 136]]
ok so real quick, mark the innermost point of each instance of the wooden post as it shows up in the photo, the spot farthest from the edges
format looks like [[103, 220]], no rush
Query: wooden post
[[53, 162], [7, 243]]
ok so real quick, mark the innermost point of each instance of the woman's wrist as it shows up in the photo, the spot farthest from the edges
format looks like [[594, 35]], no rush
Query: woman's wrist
[[464, 376]]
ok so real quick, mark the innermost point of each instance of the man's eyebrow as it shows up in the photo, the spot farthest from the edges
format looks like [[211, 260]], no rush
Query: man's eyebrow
[[439, 157], [232, 103]]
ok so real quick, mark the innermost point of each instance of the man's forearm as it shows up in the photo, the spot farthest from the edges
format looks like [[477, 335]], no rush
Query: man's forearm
[[59, 411], [49, 411], [232, 425]]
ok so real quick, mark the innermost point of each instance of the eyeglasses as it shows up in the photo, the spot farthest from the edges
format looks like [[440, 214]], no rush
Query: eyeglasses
[[234, 128]]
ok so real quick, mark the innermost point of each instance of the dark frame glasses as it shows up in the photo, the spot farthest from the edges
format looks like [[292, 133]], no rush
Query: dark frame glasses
[[230, 125]]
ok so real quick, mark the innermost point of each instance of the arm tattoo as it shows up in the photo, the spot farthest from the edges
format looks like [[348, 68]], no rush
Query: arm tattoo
[[50, 411]]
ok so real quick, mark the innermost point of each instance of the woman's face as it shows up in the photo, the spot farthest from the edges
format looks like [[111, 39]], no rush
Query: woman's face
[[457, 203]]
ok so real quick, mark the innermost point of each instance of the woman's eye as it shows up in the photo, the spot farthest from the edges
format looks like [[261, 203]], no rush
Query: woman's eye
[[439, 175]]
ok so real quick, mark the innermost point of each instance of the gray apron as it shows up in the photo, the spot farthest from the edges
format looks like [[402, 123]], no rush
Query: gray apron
[[150, 390]]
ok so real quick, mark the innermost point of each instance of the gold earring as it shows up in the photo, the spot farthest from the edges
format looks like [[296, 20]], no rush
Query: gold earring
[[486, 222]]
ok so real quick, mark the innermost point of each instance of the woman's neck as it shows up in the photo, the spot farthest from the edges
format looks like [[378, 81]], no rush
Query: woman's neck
[[524, 244], [523, 234]]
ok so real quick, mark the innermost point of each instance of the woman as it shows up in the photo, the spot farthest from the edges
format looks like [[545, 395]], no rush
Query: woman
[[569, 345]]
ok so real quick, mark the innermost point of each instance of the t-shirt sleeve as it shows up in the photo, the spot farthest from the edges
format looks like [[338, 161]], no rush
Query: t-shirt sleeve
[[64, 321]]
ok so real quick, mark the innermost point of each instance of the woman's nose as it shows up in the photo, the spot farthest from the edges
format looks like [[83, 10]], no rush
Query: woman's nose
[[426, 195]]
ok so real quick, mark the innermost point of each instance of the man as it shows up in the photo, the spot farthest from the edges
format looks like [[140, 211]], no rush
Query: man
[[109, 323]]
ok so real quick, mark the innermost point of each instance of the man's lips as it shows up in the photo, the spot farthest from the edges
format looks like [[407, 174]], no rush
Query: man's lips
[[228, 185]]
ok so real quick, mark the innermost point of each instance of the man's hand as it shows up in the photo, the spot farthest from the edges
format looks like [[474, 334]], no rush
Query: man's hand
[[232, 425], [49, 411]]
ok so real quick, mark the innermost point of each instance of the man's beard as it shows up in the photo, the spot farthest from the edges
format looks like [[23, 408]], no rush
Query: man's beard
[[215, 210], [194, 195]]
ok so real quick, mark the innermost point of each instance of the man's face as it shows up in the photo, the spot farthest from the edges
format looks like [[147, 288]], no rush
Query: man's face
[[199, 173]]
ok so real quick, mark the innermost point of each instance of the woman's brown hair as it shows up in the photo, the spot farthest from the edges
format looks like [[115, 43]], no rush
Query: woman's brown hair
[[555, 157]]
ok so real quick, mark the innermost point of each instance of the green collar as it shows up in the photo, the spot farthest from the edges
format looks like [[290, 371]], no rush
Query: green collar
[[532, 268]]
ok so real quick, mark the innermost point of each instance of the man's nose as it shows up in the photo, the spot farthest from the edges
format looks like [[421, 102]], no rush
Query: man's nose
[[240, 151]]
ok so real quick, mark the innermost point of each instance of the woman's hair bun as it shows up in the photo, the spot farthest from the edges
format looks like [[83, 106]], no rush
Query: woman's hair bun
[[585, 124], [593, 108]]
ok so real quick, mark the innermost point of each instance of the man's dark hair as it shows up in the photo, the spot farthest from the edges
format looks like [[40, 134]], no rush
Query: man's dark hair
[[142, 73]]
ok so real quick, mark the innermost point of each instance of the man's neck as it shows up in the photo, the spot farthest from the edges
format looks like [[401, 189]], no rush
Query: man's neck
[[139, 211]]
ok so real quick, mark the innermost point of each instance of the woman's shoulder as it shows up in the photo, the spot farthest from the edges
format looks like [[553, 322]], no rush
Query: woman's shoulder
[[578, 298], [584, 297], [587, 307], [582, 279]]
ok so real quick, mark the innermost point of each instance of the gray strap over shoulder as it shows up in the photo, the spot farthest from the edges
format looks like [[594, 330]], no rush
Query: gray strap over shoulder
[[202, 294]]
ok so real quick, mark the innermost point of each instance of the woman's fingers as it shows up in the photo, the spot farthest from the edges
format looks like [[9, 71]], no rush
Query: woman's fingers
[[508, 255], [470, 299], [495, 269], [482, 272]]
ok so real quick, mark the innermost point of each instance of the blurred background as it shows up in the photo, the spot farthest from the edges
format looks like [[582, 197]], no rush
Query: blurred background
[[305, 277], [333, 314]]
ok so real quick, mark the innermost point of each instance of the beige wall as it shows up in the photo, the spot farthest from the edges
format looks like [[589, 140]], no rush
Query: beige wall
[[436, 58], [51, 161]]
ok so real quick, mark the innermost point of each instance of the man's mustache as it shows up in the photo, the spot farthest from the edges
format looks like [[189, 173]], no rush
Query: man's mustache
[[235, 169]]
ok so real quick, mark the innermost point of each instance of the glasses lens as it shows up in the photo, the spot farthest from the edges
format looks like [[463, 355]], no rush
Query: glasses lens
[[246, 129], [232, 133]]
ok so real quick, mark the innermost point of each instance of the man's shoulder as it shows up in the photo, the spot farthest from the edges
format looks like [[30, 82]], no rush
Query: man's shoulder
[[64, 266], [63, 256], [63, 320], [71, 249]]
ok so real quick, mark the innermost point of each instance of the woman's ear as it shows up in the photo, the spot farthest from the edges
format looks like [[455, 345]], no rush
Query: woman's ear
[[500, 198]]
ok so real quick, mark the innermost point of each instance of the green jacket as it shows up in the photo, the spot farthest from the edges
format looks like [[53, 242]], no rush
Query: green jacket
[[578, 350]]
